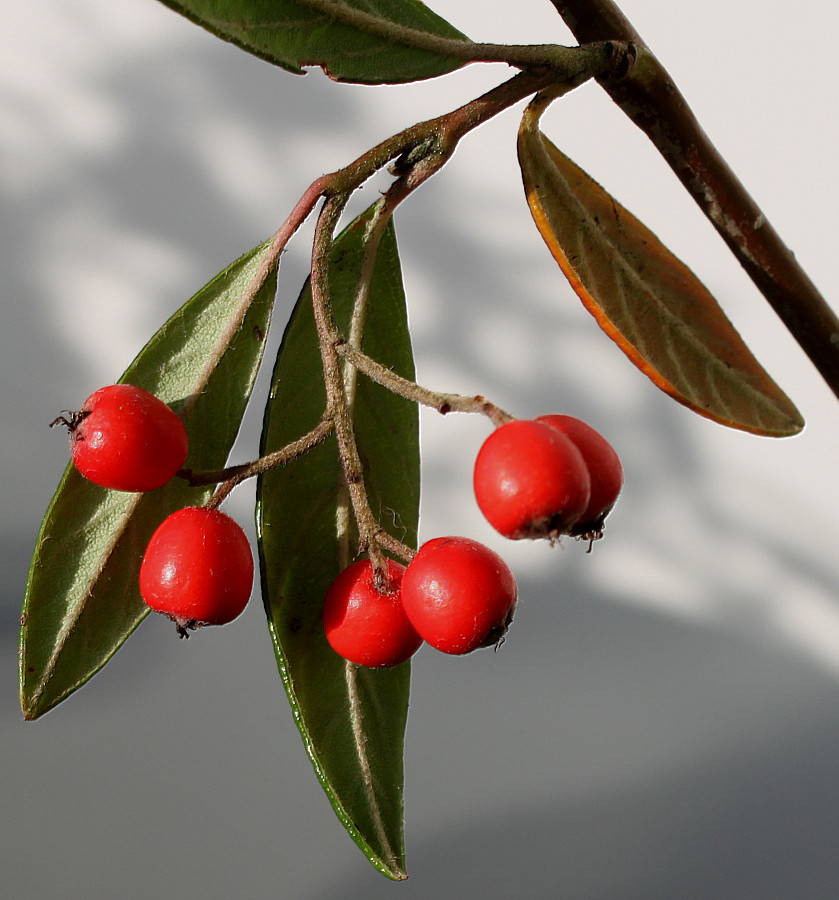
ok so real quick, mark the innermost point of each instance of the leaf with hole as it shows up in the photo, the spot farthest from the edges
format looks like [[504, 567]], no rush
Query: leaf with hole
[[645, 299], [82, 599], [351, 40], [352, 719]]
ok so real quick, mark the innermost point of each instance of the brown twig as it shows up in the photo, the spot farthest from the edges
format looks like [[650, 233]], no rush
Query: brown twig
[[651, 100], [228, 478], [443, 402]]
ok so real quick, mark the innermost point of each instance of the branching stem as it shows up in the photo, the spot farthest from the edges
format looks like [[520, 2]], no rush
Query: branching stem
[[417, 143], [416, 153], [228, 478]]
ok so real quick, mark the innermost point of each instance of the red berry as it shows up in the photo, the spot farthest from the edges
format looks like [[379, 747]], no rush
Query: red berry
[[197, 569], [125, 439], [365, 625], [530, 481], [604, 469], [459, 594]]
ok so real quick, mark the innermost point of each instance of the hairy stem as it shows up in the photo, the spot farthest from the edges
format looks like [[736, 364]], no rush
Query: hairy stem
[[264, 464], [443, 402], [394, 546], [651, 100], [228, 478], [372, 238], [338, 409]]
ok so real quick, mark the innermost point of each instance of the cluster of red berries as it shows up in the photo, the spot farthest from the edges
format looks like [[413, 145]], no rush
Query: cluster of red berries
[[198, 566], [540, 478], [456, 595], [544, 478]]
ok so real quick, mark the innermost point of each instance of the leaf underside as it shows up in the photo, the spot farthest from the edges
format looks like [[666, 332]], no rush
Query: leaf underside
[[352, 719], [645, 299], [82, 599], [294, 35]]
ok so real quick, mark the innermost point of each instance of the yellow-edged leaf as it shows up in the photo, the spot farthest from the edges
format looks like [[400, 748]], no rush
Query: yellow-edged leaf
[[648, 302]]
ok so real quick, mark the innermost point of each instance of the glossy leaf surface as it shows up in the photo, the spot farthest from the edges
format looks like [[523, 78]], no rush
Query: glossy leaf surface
[[352, 719], [82, 599], [644, 298], [297, 34]]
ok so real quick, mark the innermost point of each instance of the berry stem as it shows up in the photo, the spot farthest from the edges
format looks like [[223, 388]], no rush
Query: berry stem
[[443, 402], [379, 219], [228, 478], [395, 546]]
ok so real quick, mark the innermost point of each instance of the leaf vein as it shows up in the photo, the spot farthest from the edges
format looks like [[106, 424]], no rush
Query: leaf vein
[[679, 328], [357, 727], [78, 605]]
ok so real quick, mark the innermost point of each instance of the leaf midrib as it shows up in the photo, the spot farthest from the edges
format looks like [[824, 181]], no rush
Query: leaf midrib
[[676, 323]]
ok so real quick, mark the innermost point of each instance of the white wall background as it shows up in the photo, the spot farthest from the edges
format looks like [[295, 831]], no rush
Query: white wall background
[[664, 719]]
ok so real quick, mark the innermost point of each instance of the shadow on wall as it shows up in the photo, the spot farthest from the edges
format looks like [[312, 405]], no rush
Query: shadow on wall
[[186, 121], [113, 237], [702, 832], [627, 756]]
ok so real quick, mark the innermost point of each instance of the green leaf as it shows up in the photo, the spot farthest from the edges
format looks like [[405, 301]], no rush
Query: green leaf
[[352, 719], [363, 48], [648, 302], [82, 599]]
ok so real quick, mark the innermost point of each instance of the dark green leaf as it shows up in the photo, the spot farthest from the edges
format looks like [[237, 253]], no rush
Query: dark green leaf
[[82, 599], [296, 34], [352, 719], [648, 302]]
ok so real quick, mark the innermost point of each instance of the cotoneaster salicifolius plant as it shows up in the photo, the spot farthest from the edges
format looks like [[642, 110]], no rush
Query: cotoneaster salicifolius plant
[[135, 523]]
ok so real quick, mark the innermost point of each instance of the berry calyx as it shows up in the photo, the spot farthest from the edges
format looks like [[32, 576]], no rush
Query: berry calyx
[[126, 439], [365, 625], [530, 481], [459, 595], [604, 469], [197, 569]]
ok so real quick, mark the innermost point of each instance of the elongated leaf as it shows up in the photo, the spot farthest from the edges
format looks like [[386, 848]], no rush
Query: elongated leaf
[[82, 599], [352, 719], [296, 34], [644, 298]]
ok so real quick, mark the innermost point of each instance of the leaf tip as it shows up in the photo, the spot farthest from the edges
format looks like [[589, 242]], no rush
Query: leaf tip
[[795, 427], [394, 869], [29, 708]]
